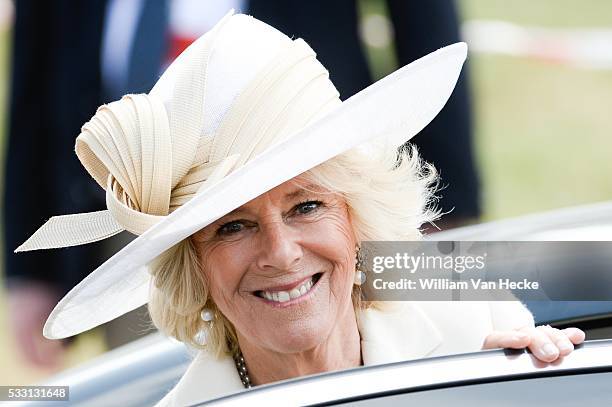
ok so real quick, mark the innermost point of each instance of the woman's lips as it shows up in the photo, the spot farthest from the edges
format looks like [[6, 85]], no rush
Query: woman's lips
[[287, 287], [288, 296]]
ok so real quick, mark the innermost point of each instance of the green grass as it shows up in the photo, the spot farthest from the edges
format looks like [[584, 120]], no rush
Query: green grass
[[542, 130], [542, 134], [553, 13]]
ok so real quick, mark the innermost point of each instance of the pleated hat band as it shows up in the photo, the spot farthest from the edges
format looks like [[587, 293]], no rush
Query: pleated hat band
[[151, 161]]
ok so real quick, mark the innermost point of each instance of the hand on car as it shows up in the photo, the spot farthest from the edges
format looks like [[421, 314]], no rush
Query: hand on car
[[545, 342]]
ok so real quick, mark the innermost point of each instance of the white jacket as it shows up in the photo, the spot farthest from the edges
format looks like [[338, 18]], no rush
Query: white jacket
[[402, 332]]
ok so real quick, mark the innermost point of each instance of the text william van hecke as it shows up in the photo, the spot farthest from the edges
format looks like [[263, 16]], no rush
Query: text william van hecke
[[445, 284]]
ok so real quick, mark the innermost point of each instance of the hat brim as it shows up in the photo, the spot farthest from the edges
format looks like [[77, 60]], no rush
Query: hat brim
[[395, 108]]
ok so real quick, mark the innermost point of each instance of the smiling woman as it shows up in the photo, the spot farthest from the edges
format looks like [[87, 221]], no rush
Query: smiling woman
[[301, 235], [252, 187], [281, 268]]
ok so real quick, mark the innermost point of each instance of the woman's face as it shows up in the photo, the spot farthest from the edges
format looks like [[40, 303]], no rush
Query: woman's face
[[281, 267]]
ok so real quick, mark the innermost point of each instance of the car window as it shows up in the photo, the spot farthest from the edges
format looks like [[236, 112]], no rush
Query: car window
[[592, 389]]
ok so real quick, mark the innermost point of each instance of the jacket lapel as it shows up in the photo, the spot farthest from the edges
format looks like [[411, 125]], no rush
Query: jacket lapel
[[206, 378], [398, 331]]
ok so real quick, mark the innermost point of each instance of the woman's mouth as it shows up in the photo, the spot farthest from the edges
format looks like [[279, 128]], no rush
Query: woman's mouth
[[298, 291]]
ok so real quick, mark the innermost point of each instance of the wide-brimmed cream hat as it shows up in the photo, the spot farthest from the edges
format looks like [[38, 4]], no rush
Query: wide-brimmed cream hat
[[240, 111]]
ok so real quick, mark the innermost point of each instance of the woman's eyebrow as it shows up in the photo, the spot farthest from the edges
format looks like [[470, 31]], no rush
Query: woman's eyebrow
[[299, 192], [303, 191], [233, 213]]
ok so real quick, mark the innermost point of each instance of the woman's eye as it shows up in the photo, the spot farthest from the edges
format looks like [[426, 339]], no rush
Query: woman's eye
[[230, 228], [308, 207]]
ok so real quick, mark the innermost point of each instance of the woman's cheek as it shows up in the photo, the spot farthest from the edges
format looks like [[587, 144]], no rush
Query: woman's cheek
[[340, 249], [222, 280]]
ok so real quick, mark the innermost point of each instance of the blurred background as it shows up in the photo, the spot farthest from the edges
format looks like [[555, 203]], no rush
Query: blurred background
[[538, 97]]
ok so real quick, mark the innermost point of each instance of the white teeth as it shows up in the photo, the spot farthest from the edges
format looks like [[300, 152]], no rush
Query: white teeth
[[283, 296]]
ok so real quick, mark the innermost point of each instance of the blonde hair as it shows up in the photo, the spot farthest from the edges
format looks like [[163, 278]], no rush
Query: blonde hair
[[389, 193]]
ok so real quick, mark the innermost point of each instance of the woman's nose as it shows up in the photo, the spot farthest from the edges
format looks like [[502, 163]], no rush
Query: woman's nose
[[280, 248]]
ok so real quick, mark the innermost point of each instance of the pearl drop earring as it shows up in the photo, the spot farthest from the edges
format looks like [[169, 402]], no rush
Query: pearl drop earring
[[359, 275], [207, 315]]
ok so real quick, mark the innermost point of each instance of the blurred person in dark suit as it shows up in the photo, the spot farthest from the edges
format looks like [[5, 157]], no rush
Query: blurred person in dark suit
[[55, 89], [332, 28], [63, 51]]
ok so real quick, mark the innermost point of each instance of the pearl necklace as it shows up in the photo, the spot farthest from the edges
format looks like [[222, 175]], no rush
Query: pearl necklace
[[242, 369]]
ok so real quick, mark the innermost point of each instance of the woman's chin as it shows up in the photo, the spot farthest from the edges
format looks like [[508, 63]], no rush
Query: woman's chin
[[297, 334], [297, 340]]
